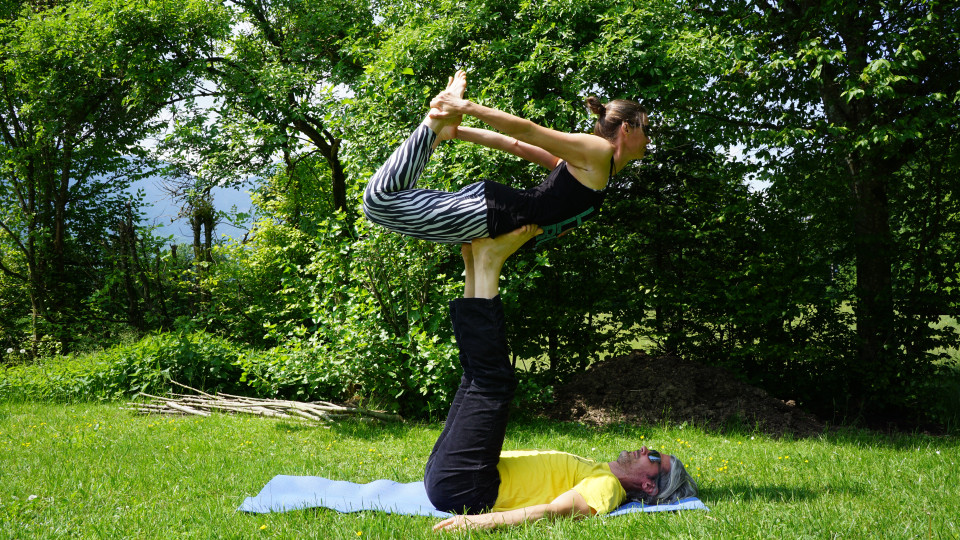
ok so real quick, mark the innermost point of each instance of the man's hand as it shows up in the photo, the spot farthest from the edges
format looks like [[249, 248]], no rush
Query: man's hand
[[465, 522], [570, 503]]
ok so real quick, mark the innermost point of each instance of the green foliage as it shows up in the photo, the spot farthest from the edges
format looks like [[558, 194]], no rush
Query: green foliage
[[58, 379], [255, 285], [295, 371], [828, 287], [197, 359], [83, 83], [940, 395], [376, 318], [14, 305], [758, 283], [848, 102], [537, 60]]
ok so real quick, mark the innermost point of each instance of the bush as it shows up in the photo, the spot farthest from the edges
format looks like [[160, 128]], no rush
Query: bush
[[58, 379], [377, 324], [943, 395], [197, 359], [295, 372]]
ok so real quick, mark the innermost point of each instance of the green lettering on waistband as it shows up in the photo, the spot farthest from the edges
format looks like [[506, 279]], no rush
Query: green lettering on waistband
[[552, 231]]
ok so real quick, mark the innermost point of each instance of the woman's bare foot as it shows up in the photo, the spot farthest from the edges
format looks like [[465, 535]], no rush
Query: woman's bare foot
[[446, 127], [489, 254]]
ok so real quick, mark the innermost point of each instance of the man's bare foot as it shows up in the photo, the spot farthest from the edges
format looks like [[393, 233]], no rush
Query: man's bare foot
[[493, 252], [446, 127], [489, 254]]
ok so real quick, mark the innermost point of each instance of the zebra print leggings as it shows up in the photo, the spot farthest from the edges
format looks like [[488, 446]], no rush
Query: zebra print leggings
[[391, 199]]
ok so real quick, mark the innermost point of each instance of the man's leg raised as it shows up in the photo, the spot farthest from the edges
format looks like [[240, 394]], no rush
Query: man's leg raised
[[462, 471]]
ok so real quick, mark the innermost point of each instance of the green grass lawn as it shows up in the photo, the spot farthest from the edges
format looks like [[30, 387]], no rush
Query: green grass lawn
[[96, 471]]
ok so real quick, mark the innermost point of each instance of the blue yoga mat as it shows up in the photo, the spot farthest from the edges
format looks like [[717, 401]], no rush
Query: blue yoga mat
[[284, 493]]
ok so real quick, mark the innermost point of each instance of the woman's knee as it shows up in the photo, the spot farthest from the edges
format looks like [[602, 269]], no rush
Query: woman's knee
[[373, 201], [367, 200]]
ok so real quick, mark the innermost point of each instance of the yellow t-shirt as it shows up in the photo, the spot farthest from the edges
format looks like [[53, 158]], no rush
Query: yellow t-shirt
[[529, 477]]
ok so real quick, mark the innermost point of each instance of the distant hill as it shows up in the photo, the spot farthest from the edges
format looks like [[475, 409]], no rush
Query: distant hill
[[163, 211]]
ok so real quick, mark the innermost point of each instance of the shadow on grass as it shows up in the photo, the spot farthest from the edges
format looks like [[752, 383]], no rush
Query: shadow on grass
[[524, 425], [774, 493], [543, 426], [353, 428], [895, 441], [841, 436]]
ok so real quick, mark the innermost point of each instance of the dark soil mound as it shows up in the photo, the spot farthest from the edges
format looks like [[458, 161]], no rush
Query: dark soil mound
[[638, 388]]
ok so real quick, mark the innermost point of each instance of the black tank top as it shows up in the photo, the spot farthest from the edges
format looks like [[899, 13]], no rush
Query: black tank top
[[557, 205]]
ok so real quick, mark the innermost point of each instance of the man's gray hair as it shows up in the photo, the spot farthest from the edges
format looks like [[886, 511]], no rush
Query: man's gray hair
[[676, 485]]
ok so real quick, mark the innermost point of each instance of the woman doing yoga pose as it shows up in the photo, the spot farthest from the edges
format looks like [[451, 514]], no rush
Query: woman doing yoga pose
[[581, 165]]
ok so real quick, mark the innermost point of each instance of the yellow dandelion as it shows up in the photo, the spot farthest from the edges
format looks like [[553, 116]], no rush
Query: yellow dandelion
[[262, 527]]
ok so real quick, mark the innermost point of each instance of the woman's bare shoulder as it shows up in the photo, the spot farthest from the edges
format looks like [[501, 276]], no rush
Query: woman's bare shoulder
[[593, 167]]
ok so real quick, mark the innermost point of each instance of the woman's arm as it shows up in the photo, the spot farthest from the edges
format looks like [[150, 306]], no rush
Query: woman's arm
[[570, 503], [589, 153], [498, 141]]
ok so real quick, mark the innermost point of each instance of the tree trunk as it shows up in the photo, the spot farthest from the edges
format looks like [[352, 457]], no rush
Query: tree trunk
[[126, 240], [872, 241], [329, 147], [339, 180]]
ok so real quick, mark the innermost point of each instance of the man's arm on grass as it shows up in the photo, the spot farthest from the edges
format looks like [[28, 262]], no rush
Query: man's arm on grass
[[570, 503]]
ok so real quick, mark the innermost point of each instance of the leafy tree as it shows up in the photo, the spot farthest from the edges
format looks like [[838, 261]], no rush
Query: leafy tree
[[259, 289], [539, 60], [277, 84], [849, 110], [856, 96], [82, 83]]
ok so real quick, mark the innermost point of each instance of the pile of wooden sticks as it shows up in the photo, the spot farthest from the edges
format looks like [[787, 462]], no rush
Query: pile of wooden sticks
[[202, 404]]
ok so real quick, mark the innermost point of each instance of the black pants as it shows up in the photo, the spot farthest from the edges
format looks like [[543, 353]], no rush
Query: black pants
[[461, 474]]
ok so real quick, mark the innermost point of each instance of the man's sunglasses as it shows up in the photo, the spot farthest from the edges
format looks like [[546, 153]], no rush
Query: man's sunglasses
[[654, 456]]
